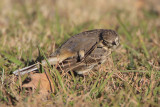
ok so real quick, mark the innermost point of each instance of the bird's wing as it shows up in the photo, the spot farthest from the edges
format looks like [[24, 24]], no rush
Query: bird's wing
[[71, 64], [90, 60], [85, 41]]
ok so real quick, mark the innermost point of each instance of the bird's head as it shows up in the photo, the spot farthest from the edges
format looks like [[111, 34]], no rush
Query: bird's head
[[110, 39]]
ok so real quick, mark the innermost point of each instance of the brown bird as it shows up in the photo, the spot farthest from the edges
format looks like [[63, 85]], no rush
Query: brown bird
[[81, 52]]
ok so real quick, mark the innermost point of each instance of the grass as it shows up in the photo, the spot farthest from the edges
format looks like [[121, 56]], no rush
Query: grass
[[130, 77]]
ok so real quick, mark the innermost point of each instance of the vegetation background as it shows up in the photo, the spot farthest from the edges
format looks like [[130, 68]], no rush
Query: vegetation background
[[131, 76]]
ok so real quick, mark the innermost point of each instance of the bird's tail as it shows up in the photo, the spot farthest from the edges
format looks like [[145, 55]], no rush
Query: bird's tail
[[53, 61], [26, 69]]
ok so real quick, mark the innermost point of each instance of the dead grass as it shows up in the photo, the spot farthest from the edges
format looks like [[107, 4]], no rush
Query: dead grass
[[130, 77]]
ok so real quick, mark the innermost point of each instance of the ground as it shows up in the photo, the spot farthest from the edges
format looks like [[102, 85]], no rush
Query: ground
[[130, 77]]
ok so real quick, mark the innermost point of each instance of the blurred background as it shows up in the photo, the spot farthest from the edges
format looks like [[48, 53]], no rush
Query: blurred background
[[28, 21]]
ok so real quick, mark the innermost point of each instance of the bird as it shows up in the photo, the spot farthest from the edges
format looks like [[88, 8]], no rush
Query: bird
[[81, 52]]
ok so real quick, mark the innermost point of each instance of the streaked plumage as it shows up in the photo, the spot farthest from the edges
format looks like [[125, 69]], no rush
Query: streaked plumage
[[81, 52]]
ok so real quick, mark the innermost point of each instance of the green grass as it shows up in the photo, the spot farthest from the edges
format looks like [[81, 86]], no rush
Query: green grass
[[130, 77]]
